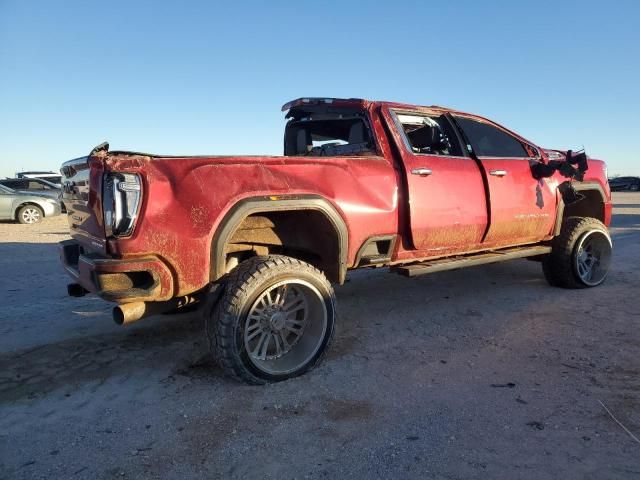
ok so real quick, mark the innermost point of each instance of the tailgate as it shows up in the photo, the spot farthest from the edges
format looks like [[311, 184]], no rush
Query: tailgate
[[81, 194]]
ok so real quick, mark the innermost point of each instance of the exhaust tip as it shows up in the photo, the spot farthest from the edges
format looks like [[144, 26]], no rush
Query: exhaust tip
[[118, 315], [126, 313], [129, 312]]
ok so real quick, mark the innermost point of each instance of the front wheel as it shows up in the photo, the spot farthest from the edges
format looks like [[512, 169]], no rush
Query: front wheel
[[274, 321], [30, 214], [580, 255]]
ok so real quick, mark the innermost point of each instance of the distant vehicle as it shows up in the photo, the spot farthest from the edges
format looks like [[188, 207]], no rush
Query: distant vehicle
[[52, 177], [26, 207], [35, 185], [619, 184]]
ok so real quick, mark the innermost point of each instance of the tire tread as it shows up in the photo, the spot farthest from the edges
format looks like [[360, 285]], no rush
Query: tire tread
[[221, 323], [558, 267]]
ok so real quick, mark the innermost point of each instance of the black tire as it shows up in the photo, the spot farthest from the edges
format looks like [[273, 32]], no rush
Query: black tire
[[561, 267], [29, 214], [244, 289], [635, 187]]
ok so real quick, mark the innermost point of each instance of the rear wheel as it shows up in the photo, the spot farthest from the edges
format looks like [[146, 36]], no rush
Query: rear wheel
[[274, 321], [30, 214], [581, 254]]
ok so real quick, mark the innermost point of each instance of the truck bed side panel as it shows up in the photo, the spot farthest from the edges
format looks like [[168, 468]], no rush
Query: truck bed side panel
[[186, 199]]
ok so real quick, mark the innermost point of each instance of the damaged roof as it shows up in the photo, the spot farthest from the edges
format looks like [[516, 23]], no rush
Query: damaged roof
[[357, 103]]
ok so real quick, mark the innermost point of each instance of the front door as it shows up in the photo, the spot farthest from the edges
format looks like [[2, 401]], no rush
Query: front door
[[522, 208], [447, 204]]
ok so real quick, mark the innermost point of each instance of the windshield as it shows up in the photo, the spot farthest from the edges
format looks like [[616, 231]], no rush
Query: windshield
[[6, 189]]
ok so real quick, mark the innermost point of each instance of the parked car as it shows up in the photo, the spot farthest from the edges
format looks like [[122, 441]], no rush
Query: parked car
[[619, 184], [259, 240], [26, 207], [38, 186], [33, 185]]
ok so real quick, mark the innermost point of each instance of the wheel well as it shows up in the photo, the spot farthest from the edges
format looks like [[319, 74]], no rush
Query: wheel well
[[591, 205], [307, 235], [24, 204]]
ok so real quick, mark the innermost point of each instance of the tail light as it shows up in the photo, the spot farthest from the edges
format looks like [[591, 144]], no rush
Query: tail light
[[122, 194]]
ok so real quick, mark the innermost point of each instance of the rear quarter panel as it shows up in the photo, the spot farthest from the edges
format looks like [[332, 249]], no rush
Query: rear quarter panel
[[185, 200]]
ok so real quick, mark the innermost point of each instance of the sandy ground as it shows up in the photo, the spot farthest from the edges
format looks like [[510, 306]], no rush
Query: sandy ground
[[479, 373]]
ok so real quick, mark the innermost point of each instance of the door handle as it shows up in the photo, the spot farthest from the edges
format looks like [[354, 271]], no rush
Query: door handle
[[498, 173], [423, 172]]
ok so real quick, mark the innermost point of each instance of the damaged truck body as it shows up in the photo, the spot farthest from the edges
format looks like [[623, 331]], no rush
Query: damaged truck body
[[256, 242]]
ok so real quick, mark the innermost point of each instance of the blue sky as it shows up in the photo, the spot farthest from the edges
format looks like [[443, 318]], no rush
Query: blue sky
[[210, 77]]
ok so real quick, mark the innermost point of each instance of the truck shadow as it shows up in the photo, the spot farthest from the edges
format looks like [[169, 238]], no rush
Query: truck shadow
[[175, 349], [69, 364]]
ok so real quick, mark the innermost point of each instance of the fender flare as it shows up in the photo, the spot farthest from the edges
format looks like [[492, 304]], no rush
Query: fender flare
[[276, 203], [581, 186]]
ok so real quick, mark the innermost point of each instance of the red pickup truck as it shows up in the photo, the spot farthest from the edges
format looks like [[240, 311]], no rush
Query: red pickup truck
[[257, 241]]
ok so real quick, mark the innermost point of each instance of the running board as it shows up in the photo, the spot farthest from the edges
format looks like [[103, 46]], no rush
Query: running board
[[452, 263]]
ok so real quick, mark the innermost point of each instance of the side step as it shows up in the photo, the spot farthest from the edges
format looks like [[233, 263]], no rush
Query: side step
[[452, 263]]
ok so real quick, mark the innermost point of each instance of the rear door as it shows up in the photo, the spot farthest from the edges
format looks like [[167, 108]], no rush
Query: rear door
[[446, 195], [522, 208]]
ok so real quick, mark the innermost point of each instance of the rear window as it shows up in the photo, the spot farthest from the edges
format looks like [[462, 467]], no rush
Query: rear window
[[328, 134], [490, 141], [15, 184]]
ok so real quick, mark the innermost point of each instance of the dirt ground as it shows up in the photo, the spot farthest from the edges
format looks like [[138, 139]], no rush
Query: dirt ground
[[478, 373]]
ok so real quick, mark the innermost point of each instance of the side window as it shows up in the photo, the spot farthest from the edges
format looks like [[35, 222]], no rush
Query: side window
[[489, 141], [429, 134], [33, 185]]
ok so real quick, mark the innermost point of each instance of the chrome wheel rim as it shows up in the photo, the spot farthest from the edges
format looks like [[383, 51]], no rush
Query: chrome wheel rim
[[592, 257], [285, 327], [30, 215]]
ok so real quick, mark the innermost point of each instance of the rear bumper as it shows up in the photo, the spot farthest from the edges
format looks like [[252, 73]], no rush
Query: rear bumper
[[117, 280]]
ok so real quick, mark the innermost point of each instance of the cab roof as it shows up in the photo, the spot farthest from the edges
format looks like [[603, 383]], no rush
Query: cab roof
[[356, 103], [364, 104]]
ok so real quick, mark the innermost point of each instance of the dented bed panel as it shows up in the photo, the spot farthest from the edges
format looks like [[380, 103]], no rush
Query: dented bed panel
[[187, 198]]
